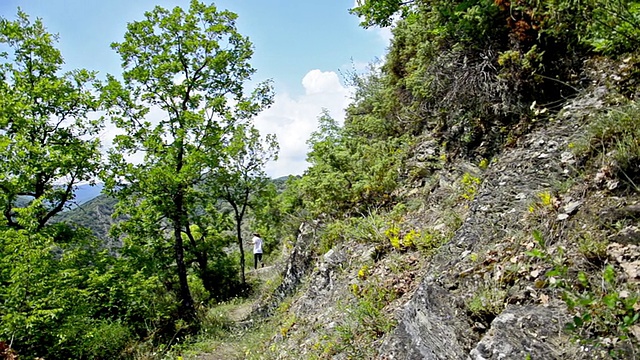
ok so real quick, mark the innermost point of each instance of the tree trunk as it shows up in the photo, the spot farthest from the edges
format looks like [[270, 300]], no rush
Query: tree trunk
[[187, 309], [205, 275], [239, 236]]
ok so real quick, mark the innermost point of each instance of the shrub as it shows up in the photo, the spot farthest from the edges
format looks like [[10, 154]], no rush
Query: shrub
[[614, 26], [592, 247], [365, 319], [368, 228], [604, 311], [469, 186], [614, 134], [486, 303]]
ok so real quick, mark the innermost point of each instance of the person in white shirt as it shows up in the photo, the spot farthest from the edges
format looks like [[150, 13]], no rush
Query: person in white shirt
[[257, 250]]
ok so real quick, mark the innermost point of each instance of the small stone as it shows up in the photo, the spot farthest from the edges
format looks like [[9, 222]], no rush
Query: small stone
[[567, 158], [368, 254], [572, 207], [635, 330], [439, 227], [328, 255]]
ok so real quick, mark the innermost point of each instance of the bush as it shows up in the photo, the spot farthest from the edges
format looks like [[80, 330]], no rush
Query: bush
[[87, 339], [369, 228], [486, 303], [612, 138], [614, 26]]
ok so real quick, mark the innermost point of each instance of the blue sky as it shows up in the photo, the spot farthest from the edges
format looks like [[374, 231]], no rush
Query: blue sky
[[303, 45]]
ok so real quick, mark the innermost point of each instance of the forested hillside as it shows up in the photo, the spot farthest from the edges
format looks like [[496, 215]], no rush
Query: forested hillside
[[480, 200]]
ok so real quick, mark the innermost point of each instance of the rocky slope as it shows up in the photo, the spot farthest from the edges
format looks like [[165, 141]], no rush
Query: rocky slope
[[514, 236]]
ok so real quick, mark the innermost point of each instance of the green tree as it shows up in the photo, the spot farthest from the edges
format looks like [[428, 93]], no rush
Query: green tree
[[328, 182], [46, 145], [191, 65], [352, 167], [241, 180], [207, 242], [380, 12]]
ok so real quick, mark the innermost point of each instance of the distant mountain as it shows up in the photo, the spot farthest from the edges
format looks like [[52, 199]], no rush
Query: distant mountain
[[281, 182], [87, 192], [84, 193], [94, 214]]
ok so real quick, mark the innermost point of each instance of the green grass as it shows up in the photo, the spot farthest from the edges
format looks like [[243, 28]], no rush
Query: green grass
[[612, 142]]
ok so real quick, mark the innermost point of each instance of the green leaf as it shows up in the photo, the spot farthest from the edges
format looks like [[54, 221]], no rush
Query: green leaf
[[609, 275], [536, 253], [577, 321], [539, 238], [582, 278], [611, 300]]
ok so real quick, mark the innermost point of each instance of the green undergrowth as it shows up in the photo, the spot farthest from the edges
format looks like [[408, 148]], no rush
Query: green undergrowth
[[366, 321], [571, 254], [604, 307], [612, 143], [487, 302], [394, 231], [225, 331]]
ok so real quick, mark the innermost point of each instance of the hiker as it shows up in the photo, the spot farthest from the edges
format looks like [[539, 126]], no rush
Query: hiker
[[257, 250]]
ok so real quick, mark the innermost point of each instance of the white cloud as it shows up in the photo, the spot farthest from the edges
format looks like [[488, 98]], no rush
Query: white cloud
[[385, 33], [318, 82], [294, 118]]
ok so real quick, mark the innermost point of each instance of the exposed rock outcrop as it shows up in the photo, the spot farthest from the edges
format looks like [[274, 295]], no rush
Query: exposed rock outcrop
[[526, 331], [296, 267], [481, 295], [434, 323], [430, 311]]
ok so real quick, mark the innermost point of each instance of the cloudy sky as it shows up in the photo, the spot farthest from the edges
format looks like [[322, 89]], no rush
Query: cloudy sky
[[302, 45]]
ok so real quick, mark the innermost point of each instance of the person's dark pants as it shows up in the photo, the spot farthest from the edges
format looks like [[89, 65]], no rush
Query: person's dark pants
[[256, 258]]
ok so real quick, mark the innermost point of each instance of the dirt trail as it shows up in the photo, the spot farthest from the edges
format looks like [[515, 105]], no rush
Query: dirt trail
[[233, 346], [242, 312]]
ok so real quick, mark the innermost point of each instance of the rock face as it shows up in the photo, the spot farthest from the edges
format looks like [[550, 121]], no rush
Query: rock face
[[435, 323], [481, 295], [428, 312], [296, 267], [525, 331]]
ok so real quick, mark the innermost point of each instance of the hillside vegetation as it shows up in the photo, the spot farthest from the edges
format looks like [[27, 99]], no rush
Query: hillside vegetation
[[480, 200]]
